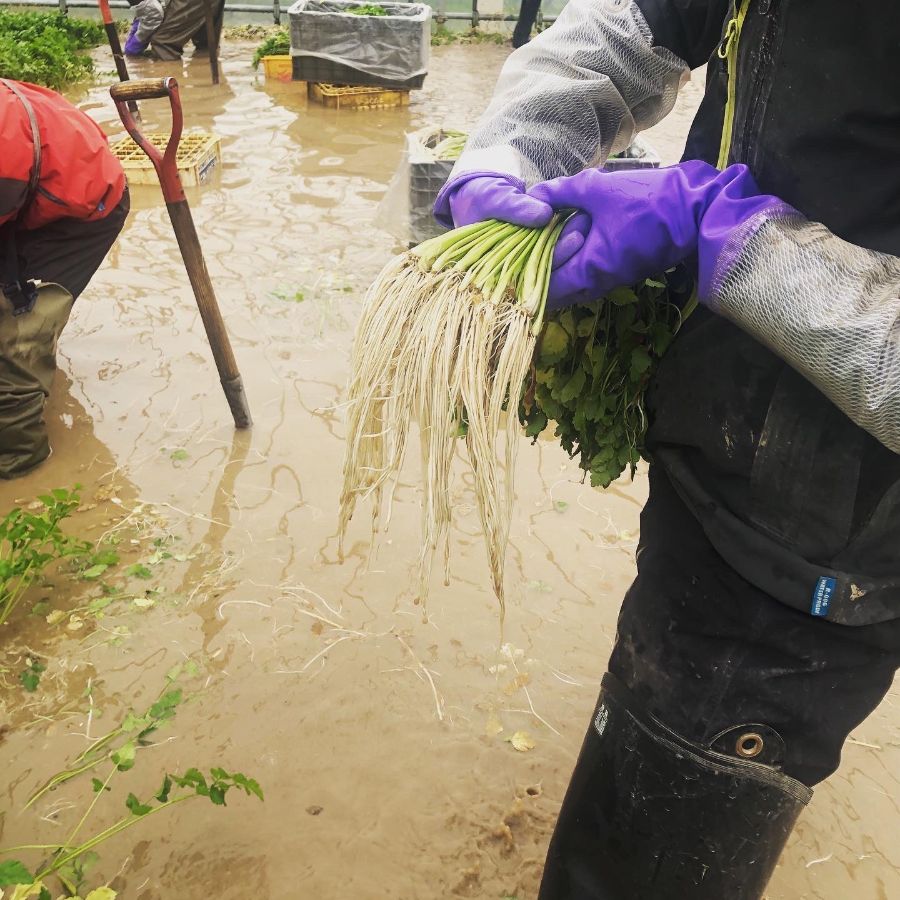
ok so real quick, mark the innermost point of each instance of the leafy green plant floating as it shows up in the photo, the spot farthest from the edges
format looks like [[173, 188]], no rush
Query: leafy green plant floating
[[70, 860], [30, 541], [44, 48]]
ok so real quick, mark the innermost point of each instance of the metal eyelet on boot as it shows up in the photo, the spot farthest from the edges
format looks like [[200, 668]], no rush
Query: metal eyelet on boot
[[752, 742], [749, 745]]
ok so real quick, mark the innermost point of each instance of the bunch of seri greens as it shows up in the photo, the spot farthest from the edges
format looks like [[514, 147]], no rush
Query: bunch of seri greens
[[44, 48], [591, 369], [455, 329], [278, 44], [450, 147]]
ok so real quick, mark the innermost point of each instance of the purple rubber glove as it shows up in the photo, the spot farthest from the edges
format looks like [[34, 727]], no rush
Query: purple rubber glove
[[476, 196], [637, 223], [133, 46]]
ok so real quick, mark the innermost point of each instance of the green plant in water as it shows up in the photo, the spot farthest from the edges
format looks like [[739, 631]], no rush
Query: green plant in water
[[44, 48], [30, 541], [70, 860], [278, 44], [121, 744], [296, 296], [30, 676]]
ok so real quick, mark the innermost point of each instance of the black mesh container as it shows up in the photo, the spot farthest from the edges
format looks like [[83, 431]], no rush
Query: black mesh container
[[426, 178], [326, 71], [331, 45]]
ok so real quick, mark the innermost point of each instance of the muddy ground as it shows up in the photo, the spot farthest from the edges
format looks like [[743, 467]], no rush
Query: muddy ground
[[380, 739]]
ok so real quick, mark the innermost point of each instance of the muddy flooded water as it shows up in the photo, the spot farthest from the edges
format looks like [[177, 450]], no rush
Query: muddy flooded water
[[381, 739]]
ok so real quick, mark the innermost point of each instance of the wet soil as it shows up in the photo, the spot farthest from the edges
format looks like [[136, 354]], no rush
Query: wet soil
[[380, 739]]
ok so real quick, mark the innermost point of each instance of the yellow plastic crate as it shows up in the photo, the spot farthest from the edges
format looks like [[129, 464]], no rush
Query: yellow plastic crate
[[337, 96], [279, 68], [199, 154]]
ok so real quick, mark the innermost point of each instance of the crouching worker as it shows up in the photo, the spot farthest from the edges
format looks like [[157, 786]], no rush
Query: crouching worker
[[148, 16], [168, 25], [63, 202]]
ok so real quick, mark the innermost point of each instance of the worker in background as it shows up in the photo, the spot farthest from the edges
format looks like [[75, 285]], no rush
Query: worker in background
[[764, 622], [63, 202], [148, 16], [166, 26]]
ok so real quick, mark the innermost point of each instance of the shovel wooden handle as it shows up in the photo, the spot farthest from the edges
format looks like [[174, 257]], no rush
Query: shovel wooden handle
[[112, 35], [166, 165]]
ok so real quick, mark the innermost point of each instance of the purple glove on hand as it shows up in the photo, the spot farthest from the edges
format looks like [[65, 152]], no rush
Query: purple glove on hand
[[635, 224], [476, 196], [134, 47]]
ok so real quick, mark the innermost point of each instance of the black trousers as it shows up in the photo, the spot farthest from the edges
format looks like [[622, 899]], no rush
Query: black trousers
[[69, 251], [528, 13], [704, 650]]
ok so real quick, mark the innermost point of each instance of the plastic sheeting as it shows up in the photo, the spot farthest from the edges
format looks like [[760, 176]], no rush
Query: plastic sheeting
[[394, 47], [828, 308], [405, 211], [576, 94]]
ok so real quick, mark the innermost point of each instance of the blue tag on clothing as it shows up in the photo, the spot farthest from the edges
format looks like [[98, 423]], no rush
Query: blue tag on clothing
[[821, 599]]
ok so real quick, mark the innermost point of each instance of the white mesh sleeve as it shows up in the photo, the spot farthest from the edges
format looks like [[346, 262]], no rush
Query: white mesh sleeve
[[828, 308], [575, 94]]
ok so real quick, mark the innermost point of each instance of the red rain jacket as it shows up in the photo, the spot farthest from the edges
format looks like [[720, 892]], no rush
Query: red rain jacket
[[79, 176]]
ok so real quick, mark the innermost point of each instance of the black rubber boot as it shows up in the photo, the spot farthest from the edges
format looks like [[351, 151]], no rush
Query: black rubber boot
[[650, 816]]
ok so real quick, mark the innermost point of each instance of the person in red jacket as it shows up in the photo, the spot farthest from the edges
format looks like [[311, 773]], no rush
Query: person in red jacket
[[63, 202]]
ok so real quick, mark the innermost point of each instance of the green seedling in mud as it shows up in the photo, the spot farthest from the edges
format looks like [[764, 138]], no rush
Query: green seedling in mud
[[278, 44], [31, 674], [98, 563], [44, 48], [290, 296], [70, 860], [30, 541], [120, 745]]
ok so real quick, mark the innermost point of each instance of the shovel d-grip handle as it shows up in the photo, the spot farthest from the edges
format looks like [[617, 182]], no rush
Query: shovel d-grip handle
[[165, 163]]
